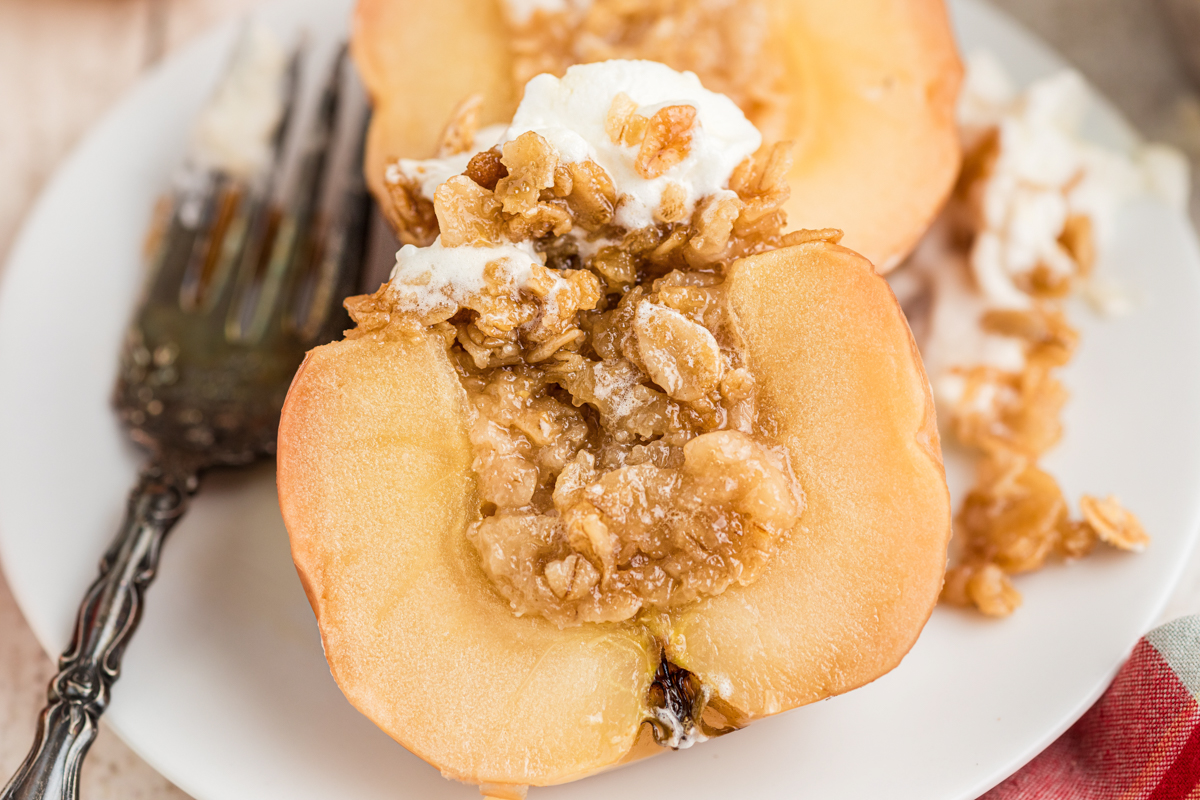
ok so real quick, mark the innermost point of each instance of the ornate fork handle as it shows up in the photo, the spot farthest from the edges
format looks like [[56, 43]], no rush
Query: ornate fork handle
[[107, 618]]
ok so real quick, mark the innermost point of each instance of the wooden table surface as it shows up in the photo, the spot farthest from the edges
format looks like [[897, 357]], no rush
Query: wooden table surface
[[64, 62]]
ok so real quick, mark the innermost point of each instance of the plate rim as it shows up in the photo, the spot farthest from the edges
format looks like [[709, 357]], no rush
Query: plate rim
[[222, 35]]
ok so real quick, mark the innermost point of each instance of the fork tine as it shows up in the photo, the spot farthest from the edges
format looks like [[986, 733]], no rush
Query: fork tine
[[248, 225], [296, 240], [220, 211], [314, 311], [208, 217], [251, 230], [191, 216]]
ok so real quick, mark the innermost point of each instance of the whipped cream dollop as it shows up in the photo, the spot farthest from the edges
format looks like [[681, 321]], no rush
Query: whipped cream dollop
[[433, 277], [236, 126], [570, 112]]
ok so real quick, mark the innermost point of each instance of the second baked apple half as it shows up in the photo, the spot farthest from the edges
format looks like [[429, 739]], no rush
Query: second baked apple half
[[865, 89], [594, 471]]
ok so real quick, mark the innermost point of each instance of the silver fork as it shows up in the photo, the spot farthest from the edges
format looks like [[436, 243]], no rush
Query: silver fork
[[240, 291]]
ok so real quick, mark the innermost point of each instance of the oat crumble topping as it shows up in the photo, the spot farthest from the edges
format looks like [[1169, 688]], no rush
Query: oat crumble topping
[[623, 462]]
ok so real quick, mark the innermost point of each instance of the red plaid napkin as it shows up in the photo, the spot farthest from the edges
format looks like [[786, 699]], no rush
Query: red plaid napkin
[[1141, 741]]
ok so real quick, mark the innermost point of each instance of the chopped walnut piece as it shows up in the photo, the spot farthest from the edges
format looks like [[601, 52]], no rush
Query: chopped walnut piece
[[500, 307], [459, 134], [1113, 523], [669, 247], [580, 291], [643, 240], [764, 171], [564, 184], [667, 142], [542, 281]]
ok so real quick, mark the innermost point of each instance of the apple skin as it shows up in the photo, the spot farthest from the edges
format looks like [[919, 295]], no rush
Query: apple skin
[[870, 108], [376, 489]]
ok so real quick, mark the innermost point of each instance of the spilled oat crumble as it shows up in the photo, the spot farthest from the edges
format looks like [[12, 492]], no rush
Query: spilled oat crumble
[[986, 294]]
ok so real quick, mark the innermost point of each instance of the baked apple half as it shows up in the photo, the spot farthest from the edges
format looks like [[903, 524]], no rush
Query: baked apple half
[[615, 463], [865, 89]]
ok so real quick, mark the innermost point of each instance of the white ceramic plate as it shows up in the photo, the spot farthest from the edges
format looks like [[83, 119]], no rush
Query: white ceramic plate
[[225, 689]]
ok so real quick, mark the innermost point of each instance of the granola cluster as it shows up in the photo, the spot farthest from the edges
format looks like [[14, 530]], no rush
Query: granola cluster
[[623, 463]]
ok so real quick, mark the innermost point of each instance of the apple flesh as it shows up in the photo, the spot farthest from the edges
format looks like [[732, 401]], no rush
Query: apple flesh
[[376, 488]]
